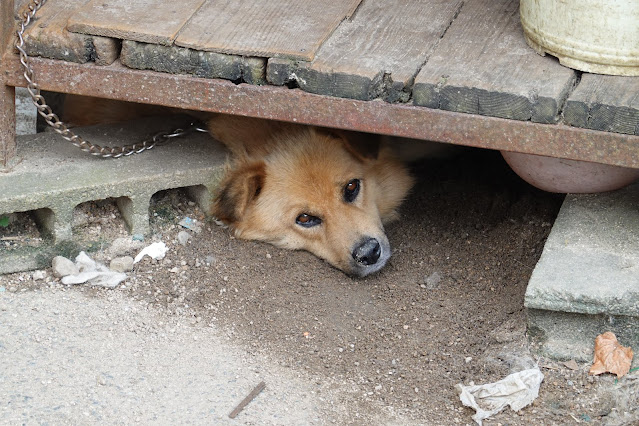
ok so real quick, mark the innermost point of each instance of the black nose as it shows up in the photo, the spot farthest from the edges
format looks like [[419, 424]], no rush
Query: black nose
[[368, 252]]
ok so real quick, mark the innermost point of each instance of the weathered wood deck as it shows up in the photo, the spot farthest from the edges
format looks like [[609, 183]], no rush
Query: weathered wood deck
[[430, 56]]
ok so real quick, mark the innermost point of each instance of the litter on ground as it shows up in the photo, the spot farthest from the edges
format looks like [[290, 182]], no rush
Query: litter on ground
[[516, 390], [93, 273], [154, 251]]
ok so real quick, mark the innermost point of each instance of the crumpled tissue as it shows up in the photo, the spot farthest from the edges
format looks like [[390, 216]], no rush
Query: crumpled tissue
[[516, 390], [93, 273], [155, 251]]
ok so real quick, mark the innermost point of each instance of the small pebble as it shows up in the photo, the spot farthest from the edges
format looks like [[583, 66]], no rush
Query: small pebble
[[183, 237], [122, 264], [63, 267], [432, 281], [123, 246], [39, 275]]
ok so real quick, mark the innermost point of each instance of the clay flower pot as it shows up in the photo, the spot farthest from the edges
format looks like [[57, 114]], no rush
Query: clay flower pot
[[569, 176]]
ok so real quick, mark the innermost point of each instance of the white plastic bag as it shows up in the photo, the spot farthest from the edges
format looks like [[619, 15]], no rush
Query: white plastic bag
[[516, 390]]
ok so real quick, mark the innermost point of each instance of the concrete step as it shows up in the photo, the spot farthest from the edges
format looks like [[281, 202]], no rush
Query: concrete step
[[587, 279], [53, 177]]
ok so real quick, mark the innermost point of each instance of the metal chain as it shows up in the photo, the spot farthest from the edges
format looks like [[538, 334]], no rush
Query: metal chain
[[52, 119]]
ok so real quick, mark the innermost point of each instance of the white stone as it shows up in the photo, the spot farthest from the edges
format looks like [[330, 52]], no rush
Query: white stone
[[122, 264], [123, 246], [183, 237], [63, 267], [39, 275]]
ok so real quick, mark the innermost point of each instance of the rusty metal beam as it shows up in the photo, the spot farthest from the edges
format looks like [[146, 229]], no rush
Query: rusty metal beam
[[7, 126], [280, 103]]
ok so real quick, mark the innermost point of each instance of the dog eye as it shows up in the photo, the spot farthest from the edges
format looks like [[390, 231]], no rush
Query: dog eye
[[307, 220], [351, 190]]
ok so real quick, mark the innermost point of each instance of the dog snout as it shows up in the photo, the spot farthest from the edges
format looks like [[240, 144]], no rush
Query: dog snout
[[368, 252]]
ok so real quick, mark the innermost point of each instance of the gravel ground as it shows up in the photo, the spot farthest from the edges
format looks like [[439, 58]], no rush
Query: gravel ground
[[386, 349]]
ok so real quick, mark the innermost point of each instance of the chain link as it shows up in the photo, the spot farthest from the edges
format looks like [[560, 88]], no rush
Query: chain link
[[54, 121]]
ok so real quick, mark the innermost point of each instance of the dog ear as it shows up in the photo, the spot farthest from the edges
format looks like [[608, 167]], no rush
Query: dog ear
[[363, 146], [239, 188]]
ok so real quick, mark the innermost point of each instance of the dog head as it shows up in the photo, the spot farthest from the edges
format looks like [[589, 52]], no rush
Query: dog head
[[316, 191]]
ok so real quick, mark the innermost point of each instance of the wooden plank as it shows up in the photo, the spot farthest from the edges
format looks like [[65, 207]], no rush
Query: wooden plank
[[273, 28], [376, 54], [605, 102], [180, 60], [149, 21], [483, 66], [48, 37], [20, 6]]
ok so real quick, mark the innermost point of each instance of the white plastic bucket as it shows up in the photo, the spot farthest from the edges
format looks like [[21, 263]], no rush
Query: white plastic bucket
[[598, 36]]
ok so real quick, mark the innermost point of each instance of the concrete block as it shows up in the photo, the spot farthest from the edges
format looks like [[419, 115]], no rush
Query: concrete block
[[587, 279], [26, 113], [52, 177]]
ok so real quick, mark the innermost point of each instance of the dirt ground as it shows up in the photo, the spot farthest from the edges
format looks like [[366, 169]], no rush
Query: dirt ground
[[447, 309]]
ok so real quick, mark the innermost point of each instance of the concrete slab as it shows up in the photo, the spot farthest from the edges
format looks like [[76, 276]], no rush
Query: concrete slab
[[587, 280], [53, 177], [72, 359], [26, 113]]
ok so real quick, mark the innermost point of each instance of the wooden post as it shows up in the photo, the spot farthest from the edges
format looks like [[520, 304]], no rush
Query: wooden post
[[7, 93]]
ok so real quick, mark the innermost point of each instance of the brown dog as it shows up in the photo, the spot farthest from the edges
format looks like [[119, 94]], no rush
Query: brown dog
[[298, 187]]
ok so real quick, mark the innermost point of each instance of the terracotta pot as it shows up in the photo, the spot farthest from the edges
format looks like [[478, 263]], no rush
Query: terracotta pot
[[569, 176]]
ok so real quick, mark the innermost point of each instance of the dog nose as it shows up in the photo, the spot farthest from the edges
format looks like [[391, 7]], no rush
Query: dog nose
[[368, 252]]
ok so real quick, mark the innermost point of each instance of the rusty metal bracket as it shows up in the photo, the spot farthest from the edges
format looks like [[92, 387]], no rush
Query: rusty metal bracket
[[7, 93]]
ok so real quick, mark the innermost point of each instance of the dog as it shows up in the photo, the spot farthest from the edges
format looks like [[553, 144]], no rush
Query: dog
[[329, 192], [307, 188]]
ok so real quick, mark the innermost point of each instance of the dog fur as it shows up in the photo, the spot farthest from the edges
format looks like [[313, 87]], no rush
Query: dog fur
[[280, 172], [298, 187]]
